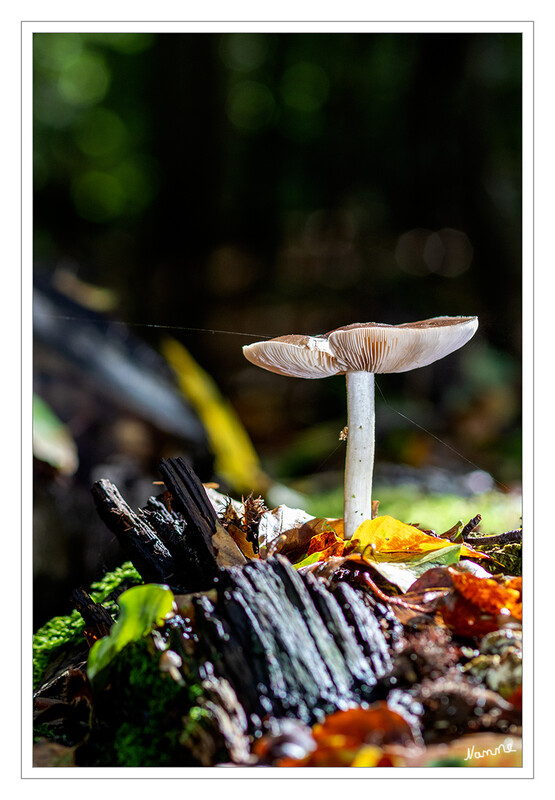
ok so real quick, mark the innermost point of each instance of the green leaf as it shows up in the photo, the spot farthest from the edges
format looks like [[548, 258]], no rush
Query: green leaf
[[142, 608], [403, 573], [311, 559], [52, 441]]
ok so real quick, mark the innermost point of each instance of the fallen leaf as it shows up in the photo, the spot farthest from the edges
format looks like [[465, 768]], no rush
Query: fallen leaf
[[515, 583], [228, 554], [355, 737], [403, 573], [516, 698], [325, 540], [370, 756], [377, 724], [239, 536], [387, 535], [278, 521], [436, 578], [315, 536], [321, 546], [477, 606]]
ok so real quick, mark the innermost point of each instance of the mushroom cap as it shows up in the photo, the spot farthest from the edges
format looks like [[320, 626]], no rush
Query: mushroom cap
[[297, 356], [363, 346], [375, 347]]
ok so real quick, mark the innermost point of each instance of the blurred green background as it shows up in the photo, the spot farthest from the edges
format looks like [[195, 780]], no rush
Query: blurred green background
[[268, 183]]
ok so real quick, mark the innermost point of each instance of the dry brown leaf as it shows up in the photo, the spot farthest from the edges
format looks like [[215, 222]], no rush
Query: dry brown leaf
[[239, 536]]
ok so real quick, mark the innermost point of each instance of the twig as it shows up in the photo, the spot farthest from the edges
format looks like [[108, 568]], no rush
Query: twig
[[469, 527], [500, 538]]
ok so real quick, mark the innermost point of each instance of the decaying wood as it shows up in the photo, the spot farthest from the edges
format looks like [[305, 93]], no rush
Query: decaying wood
[[138, 539], [98, 620], [190, 499], [176, 538], [204, 530], [288, 646]]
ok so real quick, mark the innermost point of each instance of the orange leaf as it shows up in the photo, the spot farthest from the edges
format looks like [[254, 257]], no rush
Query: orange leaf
[[515, 583], [355, 737], [478, 605], [325, 541], [516, 698], [489, 595], [373, 725]]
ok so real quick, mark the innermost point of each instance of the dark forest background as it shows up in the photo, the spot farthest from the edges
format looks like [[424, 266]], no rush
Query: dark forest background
[[265, 184]]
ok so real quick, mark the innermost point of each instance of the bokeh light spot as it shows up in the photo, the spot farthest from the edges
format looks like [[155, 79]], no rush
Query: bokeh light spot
[[409, 251], [54, 50], [100, 132], [84, 81], [50, 109], [447, 252], [434, 252], [304, 86], [139, 182], [450, 254], [250, 105], [98, 196], [244, 51], [128, 43]]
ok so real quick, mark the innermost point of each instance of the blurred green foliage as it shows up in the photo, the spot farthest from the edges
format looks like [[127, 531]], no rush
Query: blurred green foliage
[[437, 512], [80, 140]]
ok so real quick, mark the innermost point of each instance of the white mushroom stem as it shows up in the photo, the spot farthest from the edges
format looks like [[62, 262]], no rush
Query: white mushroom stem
[[359, 464]]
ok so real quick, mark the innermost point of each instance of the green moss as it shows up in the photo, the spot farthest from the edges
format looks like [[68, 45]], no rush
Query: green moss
[[101, 589], [140, 717], [509, 556], [65, 631], [57, 633], [43, 731]]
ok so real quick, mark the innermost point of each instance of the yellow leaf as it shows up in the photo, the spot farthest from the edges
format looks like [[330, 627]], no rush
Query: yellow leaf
[[235, 458], [388, 536]]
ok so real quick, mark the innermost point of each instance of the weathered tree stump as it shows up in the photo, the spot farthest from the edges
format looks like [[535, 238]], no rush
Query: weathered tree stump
[[288, 645]]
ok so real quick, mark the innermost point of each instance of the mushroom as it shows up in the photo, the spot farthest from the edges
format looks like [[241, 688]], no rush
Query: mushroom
[[359, 351]]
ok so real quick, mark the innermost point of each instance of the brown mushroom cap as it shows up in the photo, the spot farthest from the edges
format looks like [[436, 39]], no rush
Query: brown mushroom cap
[[365, 346], [379, 348]]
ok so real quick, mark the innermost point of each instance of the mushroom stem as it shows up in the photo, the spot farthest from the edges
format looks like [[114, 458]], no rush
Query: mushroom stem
[[359, 464]]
